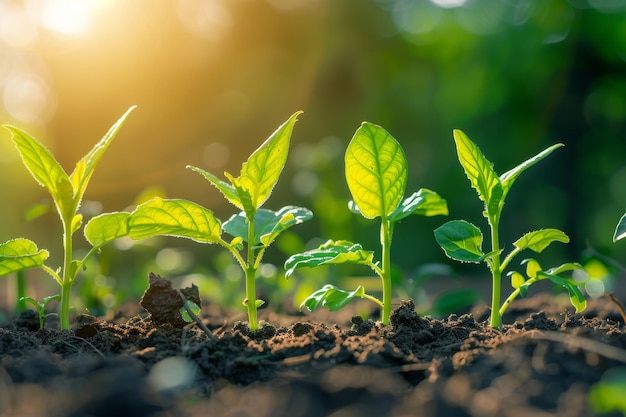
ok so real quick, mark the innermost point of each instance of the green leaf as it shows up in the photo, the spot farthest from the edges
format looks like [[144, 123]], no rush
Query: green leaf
[[532, 267], [538, 240], [177, 218], [576, 297], [517, 279], [19, 254], [106, 227], [86, 166], [331, 252], [480, 172], [331, 297], [508, 178], [268, 224], [423, 202], [620, 230], [44, 168], [570, 266], [376, 171], [227, 190], [259, 174], [461, 241]]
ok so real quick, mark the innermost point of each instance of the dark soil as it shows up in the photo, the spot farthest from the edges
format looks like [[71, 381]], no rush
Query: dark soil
[[542, 364]]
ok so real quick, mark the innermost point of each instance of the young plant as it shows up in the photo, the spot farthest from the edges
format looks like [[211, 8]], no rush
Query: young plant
[[376, 173], [620, 230], [462, 240], [66, 192], [253, 229], [40, 307]]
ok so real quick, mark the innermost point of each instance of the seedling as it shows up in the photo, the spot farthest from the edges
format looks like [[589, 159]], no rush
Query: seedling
[[462, 240], [620, 230], [376, 173], [254, 226], [67, 192], [40, 307]]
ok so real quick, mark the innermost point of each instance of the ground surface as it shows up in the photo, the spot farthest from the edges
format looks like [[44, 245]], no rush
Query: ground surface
[[541, 364]]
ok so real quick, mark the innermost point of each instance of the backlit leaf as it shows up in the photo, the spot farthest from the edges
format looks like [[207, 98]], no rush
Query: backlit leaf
[[517, 279], [19, 254], [331, 297], [227, 190], [480, 172], [538, 240], [508, 178], [268, 224], [177, 218], [376, 171], [423, 202], [461, 241], [532, 267], [260, 173], [331, 252], [85, 167], [576, 297], [42, 165], [106, 227]]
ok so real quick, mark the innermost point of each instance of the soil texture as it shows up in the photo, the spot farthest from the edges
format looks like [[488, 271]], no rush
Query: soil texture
[[542, 363]]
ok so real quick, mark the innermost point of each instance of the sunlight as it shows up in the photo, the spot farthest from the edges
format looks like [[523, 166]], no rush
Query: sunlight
[[71, 17], [448, 4]]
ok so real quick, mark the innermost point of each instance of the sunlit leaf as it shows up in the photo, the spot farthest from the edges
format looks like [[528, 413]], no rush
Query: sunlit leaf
[[576, 297], [570, 266], [480, 172], [538, 240], [517, 279], [532, 267], [376, 171], [86, 166], [508, 178], [620, 230], [19, 254], [461, 241], [44, 168], [331, 252], [195, 309], [268, 224], [106, 227], [177, 218], [331, 297], [260, 173], [423, 202], [77, 222], [227, 190]]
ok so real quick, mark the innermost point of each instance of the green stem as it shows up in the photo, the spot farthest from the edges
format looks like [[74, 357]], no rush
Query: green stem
[[67, 280], [496, 272], [251, 278], [385, 240], [513, 296], [21, 291]]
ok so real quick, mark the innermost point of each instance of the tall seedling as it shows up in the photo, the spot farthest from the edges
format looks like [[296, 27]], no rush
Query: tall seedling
[[462, 240], [254, 226], [67, 192], [376, 173]]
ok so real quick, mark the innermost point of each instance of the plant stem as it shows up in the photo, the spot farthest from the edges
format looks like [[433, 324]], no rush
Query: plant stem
[[496, 272], [513, 296], [67, 280], [385, 241], [21, 291], [250, 278]]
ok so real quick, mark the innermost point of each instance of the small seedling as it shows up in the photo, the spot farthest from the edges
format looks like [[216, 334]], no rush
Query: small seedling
[[67, 192], [376, 173], [254, 226], [462, 240], [620, 230], [40, 307]]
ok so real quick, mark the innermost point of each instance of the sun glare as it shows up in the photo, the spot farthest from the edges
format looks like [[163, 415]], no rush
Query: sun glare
[[71, 17]]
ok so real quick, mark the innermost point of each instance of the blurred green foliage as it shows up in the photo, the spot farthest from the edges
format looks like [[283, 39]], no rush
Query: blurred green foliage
[[517, 76]]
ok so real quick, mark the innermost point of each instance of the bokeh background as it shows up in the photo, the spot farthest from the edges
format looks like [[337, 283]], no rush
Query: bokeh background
[[213, 78]]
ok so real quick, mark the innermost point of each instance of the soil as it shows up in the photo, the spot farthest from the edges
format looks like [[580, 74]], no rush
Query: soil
[[542, 363]]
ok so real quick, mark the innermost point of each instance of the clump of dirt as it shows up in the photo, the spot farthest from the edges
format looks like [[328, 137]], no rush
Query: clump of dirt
[[542, 364]]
